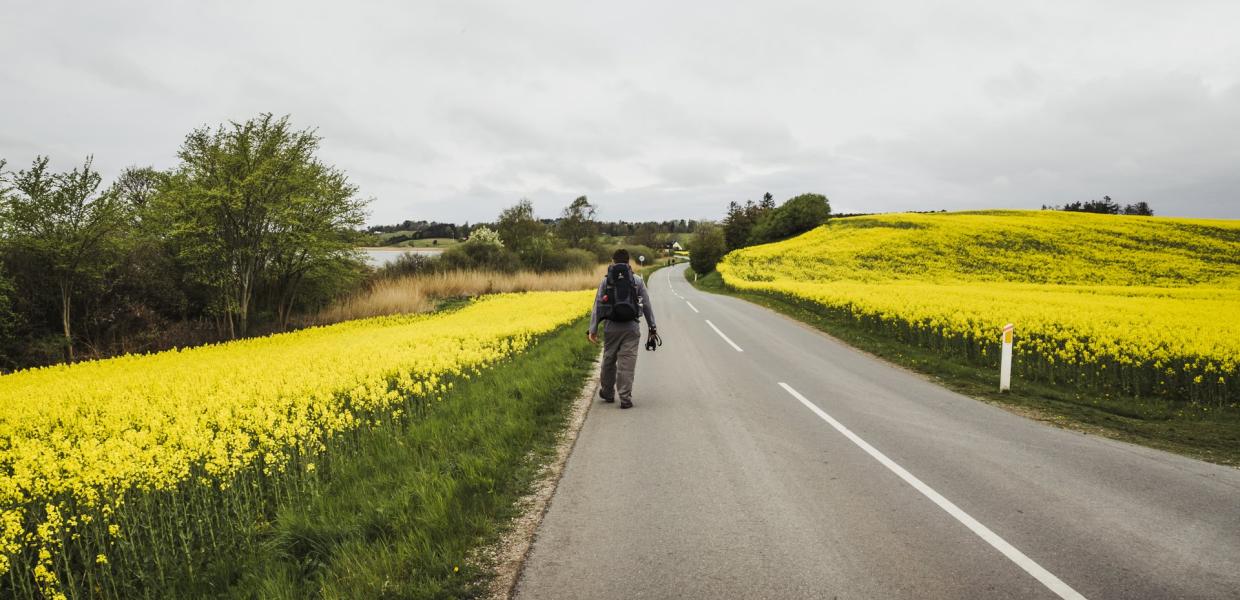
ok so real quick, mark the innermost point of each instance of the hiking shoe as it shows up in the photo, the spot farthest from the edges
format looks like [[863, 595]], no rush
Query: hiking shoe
[[606, 399], [626, 404]]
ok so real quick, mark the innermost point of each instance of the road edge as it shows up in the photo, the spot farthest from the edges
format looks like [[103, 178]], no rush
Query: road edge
[[509, 553]]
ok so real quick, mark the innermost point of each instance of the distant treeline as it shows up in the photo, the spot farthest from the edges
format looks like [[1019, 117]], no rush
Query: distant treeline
[[247, 229], [518, 239], [650, 233], [420, 230], [1105, 206], [754, 223], [625, 228]]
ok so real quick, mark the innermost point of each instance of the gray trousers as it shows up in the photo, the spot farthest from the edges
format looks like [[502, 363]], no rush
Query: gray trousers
[[619, 361]]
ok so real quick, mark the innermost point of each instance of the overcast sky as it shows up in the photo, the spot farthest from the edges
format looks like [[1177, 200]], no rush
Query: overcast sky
[[656, 110]]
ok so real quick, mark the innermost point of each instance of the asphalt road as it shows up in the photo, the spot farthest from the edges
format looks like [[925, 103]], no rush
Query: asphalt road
[[763, 459]]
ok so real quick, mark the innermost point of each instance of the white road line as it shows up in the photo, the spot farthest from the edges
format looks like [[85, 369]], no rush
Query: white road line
[[669, 286], [725, 338], [693, 307], [1046, 577]]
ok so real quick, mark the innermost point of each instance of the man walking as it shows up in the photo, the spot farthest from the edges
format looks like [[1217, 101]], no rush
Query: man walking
[[621, 299]]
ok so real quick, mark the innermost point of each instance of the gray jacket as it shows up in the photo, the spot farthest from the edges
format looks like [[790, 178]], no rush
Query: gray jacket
[[643, 298]]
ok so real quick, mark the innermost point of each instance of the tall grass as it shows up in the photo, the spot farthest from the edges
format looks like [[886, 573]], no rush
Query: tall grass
[[422, 292]]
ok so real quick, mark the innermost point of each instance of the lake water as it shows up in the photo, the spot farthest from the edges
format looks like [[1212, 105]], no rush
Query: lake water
[[377, 257]]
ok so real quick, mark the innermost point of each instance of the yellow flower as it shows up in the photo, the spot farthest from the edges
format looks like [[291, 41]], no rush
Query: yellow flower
[[90, 434], [1162, 313]]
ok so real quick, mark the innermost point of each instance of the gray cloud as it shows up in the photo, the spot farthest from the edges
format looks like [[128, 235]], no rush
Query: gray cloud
[[453, 109], [1135, 136], [689, 172], [565, 177]]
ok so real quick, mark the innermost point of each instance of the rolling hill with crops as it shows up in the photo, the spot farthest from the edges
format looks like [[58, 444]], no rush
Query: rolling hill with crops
[[1140, 306]]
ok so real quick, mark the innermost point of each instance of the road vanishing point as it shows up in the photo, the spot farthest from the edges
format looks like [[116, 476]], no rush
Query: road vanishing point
[[763, 459]]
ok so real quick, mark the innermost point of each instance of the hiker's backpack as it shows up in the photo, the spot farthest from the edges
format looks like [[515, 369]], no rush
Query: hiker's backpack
[[619, 295]]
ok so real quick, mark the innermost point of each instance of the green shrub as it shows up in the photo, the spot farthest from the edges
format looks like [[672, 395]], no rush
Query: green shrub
[[571, 259], [483, 250], [465, 257]]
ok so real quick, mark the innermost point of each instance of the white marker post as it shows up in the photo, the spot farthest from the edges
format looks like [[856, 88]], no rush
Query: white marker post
[[1005, 366], [641, 260]]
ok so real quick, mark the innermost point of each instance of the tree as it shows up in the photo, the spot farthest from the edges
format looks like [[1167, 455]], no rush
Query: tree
[[796, 216], [742, 218], [577, 227], [738, 224], [249, 205], [707, 249], [1105, 206], [64, 221], [518, 228], [439, 230], [647, 234], [313, 233], [539, 254], [136, 186], [8, 318]]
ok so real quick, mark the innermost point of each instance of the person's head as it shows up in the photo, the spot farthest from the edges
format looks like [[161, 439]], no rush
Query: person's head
[[620, 256]]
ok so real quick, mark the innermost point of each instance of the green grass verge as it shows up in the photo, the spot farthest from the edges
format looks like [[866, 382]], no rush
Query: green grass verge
[[401, 516], [1207, 433]]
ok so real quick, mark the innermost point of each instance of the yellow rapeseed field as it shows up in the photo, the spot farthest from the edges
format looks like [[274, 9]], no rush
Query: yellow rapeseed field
[[1146, 306], [80, 443]]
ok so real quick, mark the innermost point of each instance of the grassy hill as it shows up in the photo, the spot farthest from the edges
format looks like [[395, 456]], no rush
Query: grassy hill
[[1134, 306]]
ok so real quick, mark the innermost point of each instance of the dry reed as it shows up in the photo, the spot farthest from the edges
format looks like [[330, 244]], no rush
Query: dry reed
[[422, 293]]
